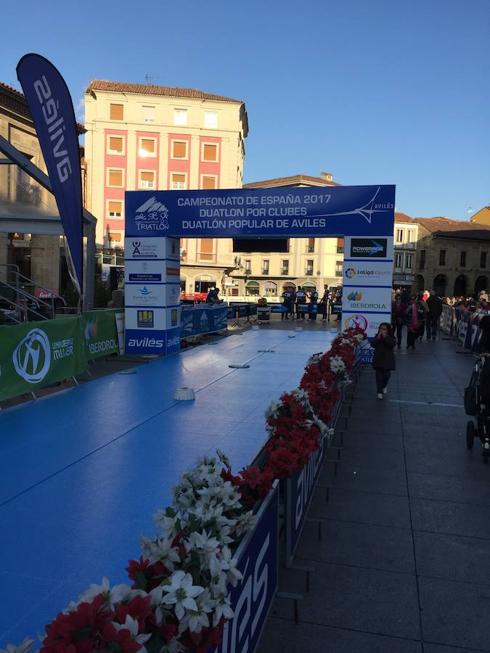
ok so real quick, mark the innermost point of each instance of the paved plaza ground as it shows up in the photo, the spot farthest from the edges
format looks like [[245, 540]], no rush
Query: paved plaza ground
[[404, 563]]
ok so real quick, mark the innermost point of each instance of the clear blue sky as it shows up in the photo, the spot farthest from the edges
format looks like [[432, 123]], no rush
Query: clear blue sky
[[374, 91]]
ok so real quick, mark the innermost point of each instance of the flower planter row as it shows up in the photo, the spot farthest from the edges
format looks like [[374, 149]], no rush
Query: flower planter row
[[206, 581]]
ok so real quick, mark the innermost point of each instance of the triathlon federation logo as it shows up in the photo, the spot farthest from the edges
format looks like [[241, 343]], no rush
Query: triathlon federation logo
[[152, 216], [350, 273], [32, 356], [136, 247]]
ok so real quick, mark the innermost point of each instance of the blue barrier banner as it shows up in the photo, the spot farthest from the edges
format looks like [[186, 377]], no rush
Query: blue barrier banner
[[300, 488], [447, 320], [364, 353], [289, 212], [187, 321], [203, 318], [279, 308], [473, 334], [52, 111], [299, 492], [252, 598]]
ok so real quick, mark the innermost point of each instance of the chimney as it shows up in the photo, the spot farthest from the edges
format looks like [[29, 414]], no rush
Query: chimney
[[327, 176]]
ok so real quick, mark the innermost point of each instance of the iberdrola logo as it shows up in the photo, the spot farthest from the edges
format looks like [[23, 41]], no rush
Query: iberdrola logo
[[355, 296]]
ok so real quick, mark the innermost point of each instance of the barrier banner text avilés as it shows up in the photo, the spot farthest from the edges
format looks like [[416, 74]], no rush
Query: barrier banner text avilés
[[35, 354]]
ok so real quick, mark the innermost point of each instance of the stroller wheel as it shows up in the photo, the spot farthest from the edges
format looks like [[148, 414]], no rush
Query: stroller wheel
[[470, 434]]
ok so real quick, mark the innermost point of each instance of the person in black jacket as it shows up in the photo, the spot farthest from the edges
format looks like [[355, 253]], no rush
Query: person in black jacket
[[434, 304], [384, 358]]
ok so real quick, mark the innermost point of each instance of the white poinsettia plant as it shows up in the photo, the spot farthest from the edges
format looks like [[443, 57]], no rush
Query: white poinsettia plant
[[208, 520], [349, 341], [339, 368]]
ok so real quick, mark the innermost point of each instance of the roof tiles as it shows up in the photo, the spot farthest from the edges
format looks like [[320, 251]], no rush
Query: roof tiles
[[151, 89]]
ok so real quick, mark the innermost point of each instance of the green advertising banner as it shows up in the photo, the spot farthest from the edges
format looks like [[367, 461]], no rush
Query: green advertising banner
[[100, 333], [35, 354]]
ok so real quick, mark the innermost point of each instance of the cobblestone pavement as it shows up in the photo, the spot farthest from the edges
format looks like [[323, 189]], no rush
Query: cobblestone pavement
[[404, 562]]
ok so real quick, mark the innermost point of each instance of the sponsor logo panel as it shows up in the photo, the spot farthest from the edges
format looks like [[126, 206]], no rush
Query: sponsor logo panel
[[372, 248], [144, 271], [145, 295], [375, 273], [162, 318], [365, 298], [145, 319], [369, 322], [368, 248], [143, 248]]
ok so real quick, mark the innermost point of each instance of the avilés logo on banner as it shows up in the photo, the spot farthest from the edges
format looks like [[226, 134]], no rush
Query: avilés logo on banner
[[54, 119]]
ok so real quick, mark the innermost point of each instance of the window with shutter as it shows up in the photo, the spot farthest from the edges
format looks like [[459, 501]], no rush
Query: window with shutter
[[179, 149], [178, 181], [114, 209], [115, 178], [210, 119], [147, 147], [147, 179], [180, 117], [209, 152], [116, 111], [148, 114], [208, 183], [116, 145], [206, 249]]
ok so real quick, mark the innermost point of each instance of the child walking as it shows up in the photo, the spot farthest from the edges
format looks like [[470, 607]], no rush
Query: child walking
[[384, 358]]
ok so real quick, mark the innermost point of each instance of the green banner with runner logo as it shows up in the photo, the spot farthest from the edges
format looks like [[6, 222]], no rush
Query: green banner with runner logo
[[35, 354], [100, 333]]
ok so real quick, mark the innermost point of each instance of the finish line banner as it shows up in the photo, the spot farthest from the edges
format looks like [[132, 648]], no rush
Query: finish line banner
[[286, 212]]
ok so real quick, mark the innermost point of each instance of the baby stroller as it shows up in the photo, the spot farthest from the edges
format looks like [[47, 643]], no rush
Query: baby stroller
[[476, 400]]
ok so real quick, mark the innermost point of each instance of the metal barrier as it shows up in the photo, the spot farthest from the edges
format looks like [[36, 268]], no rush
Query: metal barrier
[[463, 325], [239, 310]]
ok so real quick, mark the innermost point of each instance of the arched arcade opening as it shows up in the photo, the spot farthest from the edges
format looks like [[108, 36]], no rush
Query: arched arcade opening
[[440, 285]]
